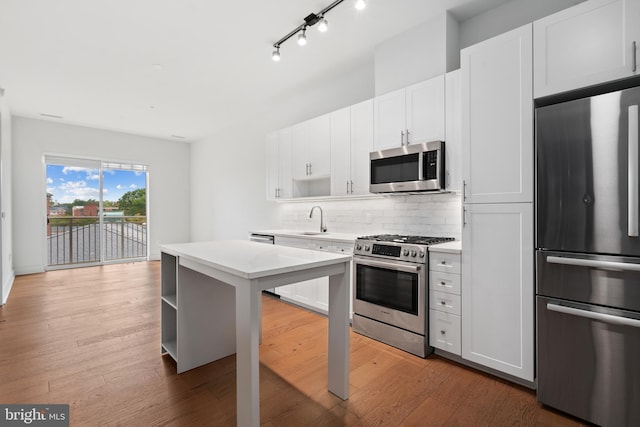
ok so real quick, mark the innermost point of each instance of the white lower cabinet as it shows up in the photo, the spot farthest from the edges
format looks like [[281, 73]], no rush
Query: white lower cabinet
[[444, 301], [497, 287], [311, 294]]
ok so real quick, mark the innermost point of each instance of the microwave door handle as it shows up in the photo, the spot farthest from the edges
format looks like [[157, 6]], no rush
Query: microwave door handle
[[421, 166], [632, 196]]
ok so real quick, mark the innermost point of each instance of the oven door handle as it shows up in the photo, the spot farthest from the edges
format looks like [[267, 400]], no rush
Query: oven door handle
[[389, 265], [607, 318]]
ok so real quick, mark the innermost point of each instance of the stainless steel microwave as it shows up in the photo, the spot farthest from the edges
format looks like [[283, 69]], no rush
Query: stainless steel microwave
[[418, 167]]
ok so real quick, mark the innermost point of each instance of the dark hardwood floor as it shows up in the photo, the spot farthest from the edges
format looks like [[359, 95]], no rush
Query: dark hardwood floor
[[90, 338]]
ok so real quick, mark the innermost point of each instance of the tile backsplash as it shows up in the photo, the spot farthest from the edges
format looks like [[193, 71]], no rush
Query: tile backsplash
[[417, 214]]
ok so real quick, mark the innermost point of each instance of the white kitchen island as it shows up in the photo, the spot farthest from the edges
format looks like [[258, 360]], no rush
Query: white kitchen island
[[211, 308]]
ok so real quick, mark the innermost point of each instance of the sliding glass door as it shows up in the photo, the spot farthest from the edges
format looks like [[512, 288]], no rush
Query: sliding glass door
[[96, 212]]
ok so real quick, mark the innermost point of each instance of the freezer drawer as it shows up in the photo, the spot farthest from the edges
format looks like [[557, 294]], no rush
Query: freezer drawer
[[612, 281], [588, 361]]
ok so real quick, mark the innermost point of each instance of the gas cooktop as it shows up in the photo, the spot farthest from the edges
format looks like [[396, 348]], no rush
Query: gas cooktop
[[413, 240]]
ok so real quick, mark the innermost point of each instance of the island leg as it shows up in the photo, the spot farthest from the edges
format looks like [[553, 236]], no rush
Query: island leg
[[339, 296], [247, 356]]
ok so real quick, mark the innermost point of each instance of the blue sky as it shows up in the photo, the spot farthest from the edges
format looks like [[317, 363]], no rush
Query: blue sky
[[69, 183]]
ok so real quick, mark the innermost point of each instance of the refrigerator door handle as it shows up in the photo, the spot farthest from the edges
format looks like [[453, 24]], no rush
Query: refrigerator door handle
[[580, 262], [607, 318], [632, 196]]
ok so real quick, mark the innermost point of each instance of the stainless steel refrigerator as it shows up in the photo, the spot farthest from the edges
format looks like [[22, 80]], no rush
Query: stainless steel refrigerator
[[588, 257]]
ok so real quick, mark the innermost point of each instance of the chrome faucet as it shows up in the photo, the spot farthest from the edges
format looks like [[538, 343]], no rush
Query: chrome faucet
[[323, 228]]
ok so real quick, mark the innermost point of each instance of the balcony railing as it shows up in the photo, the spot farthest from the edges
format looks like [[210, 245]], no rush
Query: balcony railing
[[80, 239]]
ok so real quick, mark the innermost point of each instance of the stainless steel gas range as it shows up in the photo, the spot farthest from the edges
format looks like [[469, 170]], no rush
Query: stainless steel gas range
[[390, 300]]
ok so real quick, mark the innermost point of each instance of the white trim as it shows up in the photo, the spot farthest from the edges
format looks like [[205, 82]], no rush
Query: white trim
[[7, 286]]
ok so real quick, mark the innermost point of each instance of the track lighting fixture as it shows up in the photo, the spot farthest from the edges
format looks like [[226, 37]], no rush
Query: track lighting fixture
[[309, 21]]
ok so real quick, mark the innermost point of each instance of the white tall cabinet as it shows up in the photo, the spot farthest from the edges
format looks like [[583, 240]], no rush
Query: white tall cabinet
[[497, 235], [590, 43], [351, 143], [410, 115]]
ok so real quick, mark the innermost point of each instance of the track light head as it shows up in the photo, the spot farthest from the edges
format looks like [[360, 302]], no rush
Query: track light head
[[276, 54], [323, 26], [302, 37], [360, 4]]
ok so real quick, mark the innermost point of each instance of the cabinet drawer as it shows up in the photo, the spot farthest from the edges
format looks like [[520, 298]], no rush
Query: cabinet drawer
[[442, 301], [444, 282], [444, 331], [444, 262]]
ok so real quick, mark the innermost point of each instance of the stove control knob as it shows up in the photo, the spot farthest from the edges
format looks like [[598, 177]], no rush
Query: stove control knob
[[405, 252], [413, 253], [367, 248], [421, 254], [358, 247]]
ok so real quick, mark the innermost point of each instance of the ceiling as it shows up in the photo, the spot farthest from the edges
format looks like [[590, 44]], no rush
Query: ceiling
[[183, 69]]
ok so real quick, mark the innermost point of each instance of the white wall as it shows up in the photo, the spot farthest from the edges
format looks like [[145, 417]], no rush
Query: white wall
[[427, 50], [6, 255], [169, 182], [229, 168], [508, 16]]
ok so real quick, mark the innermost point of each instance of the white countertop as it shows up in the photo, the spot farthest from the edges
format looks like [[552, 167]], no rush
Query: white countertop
[[311, 234], [454, 247], [252, 260]]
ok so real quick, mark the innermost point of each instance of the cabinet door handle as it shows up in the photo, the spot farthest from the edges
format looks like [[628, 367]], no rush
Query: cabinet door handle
[[401, 137], [443, 303], [310, 168], [464, 189], [464, 216], [635, 65], [407, 138], [443, 332]]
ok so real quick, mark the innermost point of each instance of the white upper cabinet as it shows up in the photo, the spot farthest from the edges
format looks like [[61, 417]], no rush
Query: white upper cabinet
[[497, 119], [311, 148], [453, 129], [425, 111], [590, 43], [351, 143], [361, 145], [279, 179], [273, 166], [411, 115]]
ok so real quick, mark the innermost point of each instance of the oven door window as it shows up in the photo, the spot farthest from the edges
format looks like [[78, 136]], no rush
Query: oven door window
[[393, 289]]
